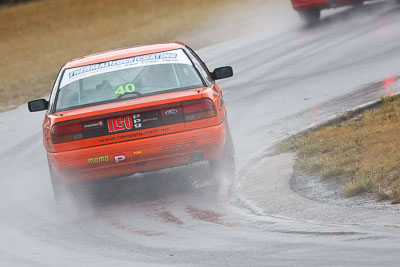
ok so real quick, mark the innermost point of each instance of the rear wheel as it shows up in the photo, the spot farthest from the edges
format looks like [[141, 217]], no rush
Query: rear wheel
[[64, 192], [225, 164], [310, 15], [60, 188]]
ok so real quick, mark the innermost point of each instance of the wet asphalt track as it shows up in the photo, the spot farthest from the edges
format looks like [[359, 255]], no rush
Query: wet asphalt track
[[287, 78]]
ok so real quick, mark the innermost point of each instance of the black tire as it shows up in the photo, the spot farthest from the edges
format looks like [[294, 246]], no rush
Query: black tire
[[225, 164], [66, 192], [60, 188], [310, 15]]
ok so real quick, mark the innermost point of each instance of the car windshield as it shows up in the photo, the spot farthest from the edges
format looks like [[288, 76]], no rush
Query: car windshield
[[126, 78]]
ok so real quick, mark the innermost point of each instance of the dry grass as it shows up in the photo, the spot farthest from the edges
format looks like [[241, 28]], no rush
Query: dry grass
[[364, 151], [38, 37]]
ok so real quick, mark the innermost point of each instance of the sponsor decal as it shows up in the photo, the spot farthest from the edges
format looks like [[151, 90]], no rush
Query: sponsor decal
[[94, 125], [151, 131], [179, 146], [138, 135], [75, 74], [97, 160], [119, 62], [171, 112], [124, 123], [119, 159], [156, 56], [137, 153], [150, 119]]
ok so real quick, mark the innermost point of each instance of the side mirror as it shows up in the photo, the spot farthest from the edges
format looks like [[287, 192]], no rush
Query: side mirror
[[222, 73], [38, 105]]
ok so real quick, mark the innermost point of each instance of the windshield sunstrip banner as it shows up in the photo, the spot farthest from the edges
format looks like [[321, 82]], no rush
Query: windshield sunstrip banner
[[168, 57]]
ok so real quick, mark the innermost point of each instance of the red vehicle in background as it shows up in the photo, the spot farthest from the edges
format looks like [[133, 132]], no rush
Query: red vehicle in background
[[310, 10]]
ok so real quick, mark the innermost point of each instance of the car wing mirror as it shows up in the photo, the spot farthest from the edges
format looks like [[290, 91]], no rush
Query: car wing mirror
[[38, 105], [222, 73]]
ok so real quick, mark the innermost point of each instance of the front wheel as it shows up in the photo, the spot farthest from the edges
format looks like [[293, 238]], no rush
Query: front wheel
[[310, 15], [225, 164]]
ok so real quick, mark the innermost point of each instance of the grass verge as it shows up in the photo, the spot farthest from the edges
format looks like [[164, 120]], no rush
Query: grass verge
[[37, 38], [362, 150]]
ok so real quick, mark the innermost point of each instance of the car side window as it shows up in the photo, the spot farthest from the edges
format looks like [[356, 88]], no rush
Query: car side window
[[200, 65]]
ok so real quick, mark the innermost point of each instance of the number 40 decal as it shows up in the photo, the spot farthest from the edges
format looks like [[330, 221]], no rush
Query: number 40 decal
[[128, 88]]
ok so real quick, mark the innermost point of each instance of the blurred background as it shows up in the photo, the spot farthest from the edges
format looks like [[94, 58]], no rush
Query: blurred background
[[38, 36]]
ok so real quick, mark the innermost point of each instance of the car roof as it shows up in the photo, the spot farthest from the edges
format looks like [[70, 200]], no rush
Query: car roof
[[122, 53]]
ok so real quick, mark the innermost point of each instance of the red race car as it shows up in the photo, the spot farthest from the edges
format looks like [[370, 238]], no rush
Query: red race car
[[310, 10], [134, 110]]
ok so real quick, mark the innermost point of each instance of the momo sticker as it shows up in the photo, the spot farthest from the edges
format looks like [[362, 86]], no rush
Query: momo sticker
[[97, 160]]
